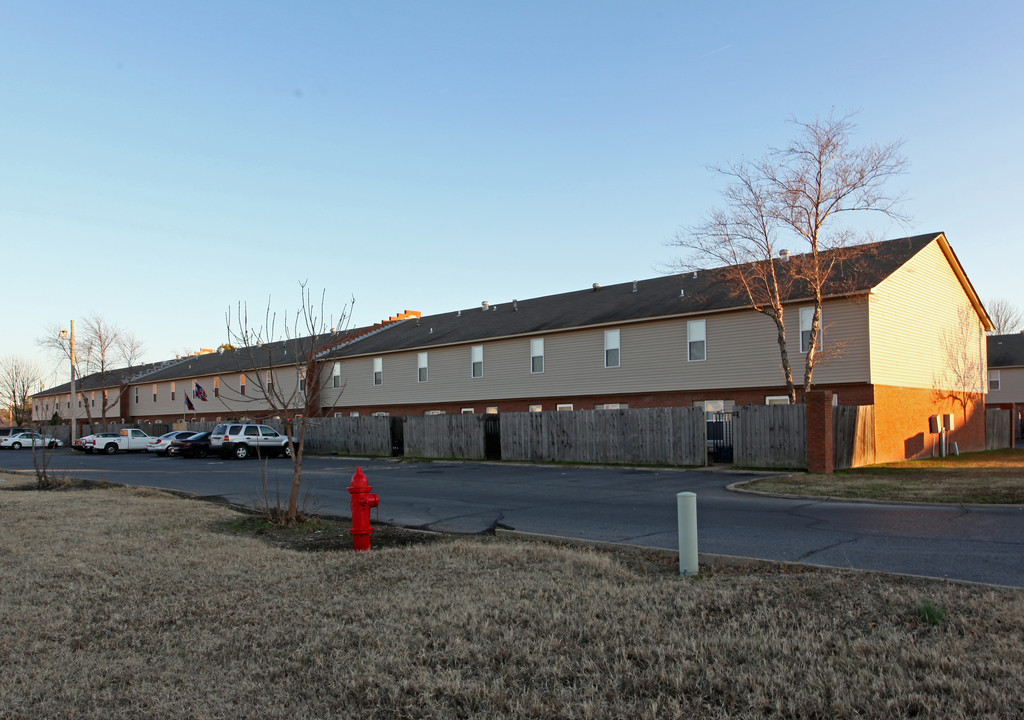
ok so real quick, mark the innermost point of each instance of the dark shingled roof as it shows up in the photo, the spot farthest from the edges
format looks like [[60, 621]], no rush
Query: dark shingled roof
[[654, 298], [1006, 350]]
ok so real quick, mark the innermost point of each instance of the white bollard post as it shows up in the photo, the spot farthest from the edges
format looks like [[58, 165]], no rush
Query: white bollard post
[[686, 505]]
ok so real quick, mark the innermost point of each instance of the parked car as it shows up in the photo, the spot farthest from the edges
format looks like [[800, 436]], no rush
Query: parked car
[[85, 444], [240, 440], [8, 431], [197, 446], [161, 445], [127, 440], [30, 439]]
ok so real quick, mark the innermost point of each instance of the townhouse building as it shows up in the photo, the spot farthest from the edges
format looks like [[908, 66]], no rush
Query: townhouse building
[[902, 329]]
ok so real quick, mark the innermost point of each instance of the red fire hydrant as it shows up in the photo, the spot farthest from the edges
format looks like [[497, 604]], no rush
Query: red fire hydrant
[[362, 501]]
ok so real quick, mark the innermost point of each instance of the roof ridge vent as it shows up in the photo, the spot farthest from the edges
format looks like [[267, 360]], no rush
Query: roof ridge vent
[[596, 286]]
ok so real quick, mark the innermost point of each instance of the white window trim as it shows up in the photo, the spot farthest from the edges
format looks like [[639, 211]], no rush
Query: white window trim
[[422, 367], [993, 381], [378, 371], [776, 399], [536, 408], [613, 341], [696, 331], [563, 407], [806, 320], [535, 345], [476, 355]]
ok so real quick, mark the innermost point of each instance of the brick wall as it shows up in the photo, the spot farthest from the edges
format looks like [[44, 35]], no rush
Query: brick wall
[[901, 423]]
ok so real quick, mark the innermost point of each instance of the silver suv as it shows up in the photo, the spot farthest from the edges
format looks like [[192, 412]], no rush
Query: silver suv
[[239, 440]]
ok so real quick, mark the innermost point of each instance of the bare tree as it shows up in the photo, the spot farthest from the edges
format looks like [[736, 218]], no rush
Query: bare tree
[[17, 378], [283, 367], [793, 198], [1006, 317], [962, 379], [101, 348]]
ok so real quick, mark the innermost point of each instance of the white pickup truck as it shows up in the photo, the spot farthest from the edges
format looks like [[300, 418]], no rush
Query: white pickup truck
[[125, 441]]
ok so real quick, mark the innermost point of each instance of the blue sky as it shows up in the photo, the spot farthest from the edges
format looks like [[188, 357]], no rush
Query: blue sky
[[160, 162]]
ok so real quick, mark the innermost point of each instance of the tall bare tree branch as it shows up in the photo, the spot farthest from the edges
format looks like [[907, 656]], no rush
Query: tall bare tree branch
[[791, 199]]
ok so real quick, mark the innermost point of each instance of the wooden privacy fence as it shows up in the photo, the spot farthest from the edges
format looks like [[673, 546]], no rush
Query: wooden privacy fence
[[775, 436], [770, 436], [998, 430], [445, 436], [853, 428], [648, 436]]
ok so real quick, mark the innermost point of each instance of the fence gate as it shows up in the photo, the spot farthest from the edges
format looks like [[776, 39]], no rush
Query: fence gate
[[492, 437], [720, 437], [397, 436]]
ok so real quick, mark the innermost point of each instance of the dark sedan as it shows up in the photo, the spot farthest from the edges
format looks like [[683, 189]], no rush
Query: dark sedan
[[195, 446]]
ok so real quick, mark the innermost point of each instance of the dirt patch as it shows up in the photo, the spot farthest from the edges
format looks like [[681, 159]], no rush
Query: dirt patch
[[323, 535]]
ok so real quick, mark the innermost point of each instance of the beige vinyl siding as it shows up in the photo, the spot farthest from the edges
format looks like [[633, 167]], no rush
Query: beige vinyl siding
[[914, 313], [1011, 386], [742, 351]]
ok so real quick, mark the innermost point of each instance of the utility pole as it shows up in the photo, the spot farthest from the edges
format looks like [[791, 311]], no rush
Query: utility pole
[[74, 418]]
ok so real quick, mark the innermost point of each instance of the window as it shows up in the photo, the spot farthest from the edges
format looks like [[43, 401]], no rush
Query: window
[[696, 340], [354, 413], [302, 380], [537, 355], [806, 320], [536, 408], [612, 406], [714, 406], [477, 361], [434, 412], [136, 395], [611, 348], [154, 393], [241, 384], [172, 391], [421, 367], [216, 387], [467, 411], [270, 382], [336, 375], [993, 380], [491, 411], [563, 406], [380, 413], [378, 371], [776, 400]]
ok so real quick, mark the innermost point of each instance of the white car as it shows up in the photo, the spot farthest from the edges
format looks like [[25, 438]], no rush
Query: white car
[[85, 444], [161, 445], [30, 439]]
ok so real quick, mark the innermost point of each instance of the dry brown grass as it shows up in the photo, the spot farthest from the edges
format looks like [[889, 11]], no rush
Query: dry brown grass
[[122, 603], [996, 476]]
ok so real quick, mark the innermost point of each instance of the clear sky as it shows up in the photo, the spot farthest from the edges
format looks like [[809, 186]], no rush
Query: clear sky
[[161, 162]]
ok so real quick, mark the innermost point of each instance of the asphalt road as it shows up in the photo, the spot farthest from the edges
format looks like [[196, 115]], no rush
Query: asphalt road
[[984, 544]]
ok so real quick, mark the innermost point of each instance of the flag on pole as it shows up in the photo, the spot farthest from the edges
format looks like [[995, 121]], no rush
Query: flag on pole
[[200, 393], [188, 403]]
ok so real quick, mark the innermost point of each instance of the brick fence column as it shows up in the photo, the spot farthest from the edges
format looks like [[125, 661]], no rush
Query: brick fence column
[[819, 431]]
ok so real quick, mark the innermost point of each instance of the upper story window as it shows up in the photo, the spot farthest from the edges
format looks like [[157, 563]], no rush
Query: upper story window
[[336, 375], [696, 340], [378, 371], [172, 391], [421, 367], [476, 358], [806, 320], [302, 380], [136, 394], [270, 382], [241, 384], [216, 387], [537, 355], [611, 348], [154, 393], [993, 380]]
